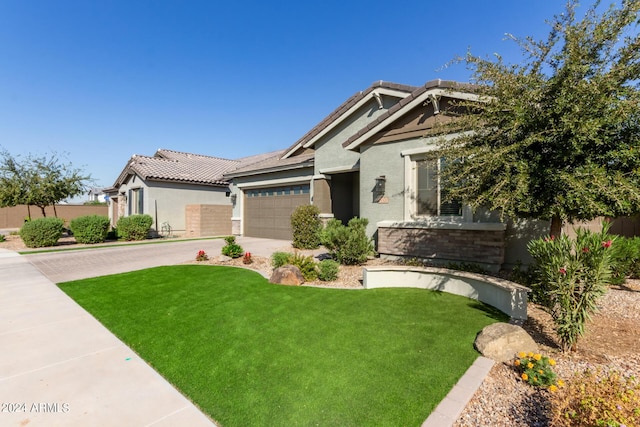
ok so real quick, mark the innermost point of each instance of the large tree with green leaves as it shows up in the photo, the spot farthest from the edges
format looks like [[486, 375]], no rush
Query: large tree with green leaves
[[38, 180], [557, 136]]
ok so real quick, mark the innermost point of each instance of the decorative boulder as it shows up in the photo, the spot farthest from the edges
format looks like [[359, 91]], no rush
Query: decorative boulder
[[224, 259], [502, 341], [287, 275]]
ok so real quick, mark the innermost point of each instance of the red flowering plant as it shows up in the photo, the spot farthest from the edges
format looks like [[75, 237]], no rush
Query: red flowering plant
[[572, 274], [202, 256], [247, 258]]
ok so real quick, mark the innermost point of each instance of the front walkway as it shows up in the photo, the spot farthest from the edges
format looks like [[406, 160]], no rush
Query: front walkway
[[60, 367]]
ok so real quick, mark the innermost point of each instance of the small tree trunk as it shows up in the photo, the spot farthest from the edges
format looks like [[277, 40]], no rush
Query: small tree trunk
[[55, 212], [556, 226], [44, 214], [29, 211]]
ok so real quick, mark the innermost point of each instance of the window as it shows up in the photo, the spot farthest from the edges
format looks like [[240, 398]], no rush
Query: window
[[135, 201], [429, 194]]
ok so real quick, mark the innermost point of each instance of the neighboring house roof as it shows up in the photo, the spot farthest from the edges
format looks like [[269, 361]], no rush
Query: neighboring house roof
[[346, 108], [429, 92], [176, 166]]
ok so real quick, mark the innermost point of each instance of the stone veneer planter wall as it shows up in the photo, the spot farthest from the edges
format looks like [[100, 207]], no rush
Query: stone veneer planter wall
[[482, 243]]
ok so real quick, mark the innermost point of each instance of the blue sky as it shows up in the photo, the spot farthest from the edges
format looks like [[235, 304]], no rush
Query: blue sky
[[102, 80]]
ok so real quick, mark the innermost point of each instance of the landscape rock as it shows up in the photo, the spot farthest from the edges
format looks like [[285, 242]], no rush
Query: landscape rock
[[287, 275], [224, 259], [502, 341]]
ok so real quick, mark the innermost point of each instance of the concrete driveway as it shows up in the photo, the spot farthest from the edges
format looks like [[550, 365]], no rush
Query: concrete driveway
[[62, 266]]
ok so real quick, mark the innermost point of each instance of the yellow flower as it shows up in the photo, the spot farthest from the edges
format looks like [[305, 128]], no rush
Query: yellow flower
[[540, 371], [537, 356], [524, 377], [522, 354], [552, 362], [530, 354], [517, 362], [529, 365], [560, 383], [553, 388]]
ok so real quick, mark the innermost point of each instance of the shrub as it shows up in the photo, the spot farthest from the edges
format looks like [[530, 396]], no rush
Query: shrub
[[597, 399], [572, 276], [328, 270], [90, 228], [202, 256], [2, 238], [306, 264], [536, 370], [41, 232], [278, 259], [625, 259], [469, 267], [306, 227], [348, 245], [232, 249], [134, 227]]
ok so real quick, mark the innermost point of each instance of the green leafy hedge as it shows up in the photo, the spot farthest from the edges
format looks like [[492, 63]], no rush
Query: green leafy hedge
[[90, 228], [306, 227], [134, 227], [41, 232], [349, 244]]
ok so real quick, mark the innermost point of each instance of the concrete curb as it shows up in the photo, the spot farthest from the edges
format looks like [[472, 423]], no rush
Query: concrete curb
[[448, 411]]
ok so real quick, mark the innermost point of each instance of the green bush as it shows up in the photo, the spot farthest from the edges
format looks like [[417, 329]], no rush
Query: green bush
[[41, 232], [306, 226], [625, 259], [328, 270], [278, 259], [232, 249], [349, 244], [572, 275], [305, 264], [90, 228], [134, 227], [2, 238]]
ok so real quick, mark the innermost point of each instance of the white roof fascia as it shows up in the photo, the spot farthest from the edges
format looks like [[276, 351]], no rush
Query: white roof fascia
[[416, 102], [363, 101]]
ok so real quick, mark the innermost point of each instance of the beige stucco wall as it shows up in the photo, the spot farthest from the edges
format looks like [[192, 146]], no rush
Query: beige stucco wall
[[166, 201]]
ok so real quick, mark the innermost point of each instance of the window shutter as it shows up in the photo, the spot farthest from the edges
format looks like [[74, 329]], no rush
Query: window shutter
[[129, 201]]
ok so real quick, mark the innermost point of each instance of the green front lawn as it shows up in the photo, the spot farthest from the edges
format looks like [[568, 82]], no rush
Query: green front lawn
[[250, 353]]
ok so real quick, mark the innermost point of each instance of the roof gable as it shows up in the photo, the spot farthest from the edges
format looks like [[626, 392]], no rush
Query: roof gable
[[424, 98], [346, 109]]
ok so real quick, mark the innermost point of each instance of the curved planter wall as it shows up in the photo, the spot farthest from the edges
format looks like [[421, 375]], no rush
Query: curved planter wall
[[506, 296]]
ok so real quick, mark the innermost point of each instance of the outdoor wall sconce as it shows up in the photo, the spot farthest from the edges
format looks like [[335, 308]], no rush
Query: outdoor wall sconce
[[233, 198], [379, 190]]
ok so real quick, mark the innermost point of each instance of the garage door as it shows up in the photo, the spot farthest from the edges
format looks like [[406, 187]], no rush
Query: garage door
[[267, 211]]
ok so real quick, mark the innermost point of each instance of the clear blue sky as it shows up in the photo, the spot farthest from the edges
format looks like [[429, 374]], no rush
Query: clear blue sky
[[102, 80]]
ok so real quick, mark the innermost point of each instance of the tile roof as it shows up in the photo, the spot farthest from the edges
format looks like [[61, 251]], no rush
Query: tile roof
[[273, 164], [176, 166]]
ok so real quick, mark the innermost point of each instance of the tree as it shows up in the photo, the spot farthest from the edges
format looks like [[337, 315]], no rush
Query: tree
[[38, 181], [558, 136]]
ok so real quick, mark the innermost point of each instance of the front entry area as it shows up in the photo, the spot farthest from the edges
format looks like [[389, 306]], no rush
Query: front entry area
[[267, 211]]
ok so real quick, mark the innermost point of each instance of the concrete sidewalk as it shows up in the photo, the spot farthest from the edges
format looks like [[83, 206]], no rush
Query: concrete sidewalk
[[60, 367]]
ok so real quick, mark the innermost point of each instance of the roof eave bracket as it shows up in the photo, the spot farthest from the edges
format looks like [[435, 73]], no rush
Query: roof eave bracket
[[378, 99], [435, 101]]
